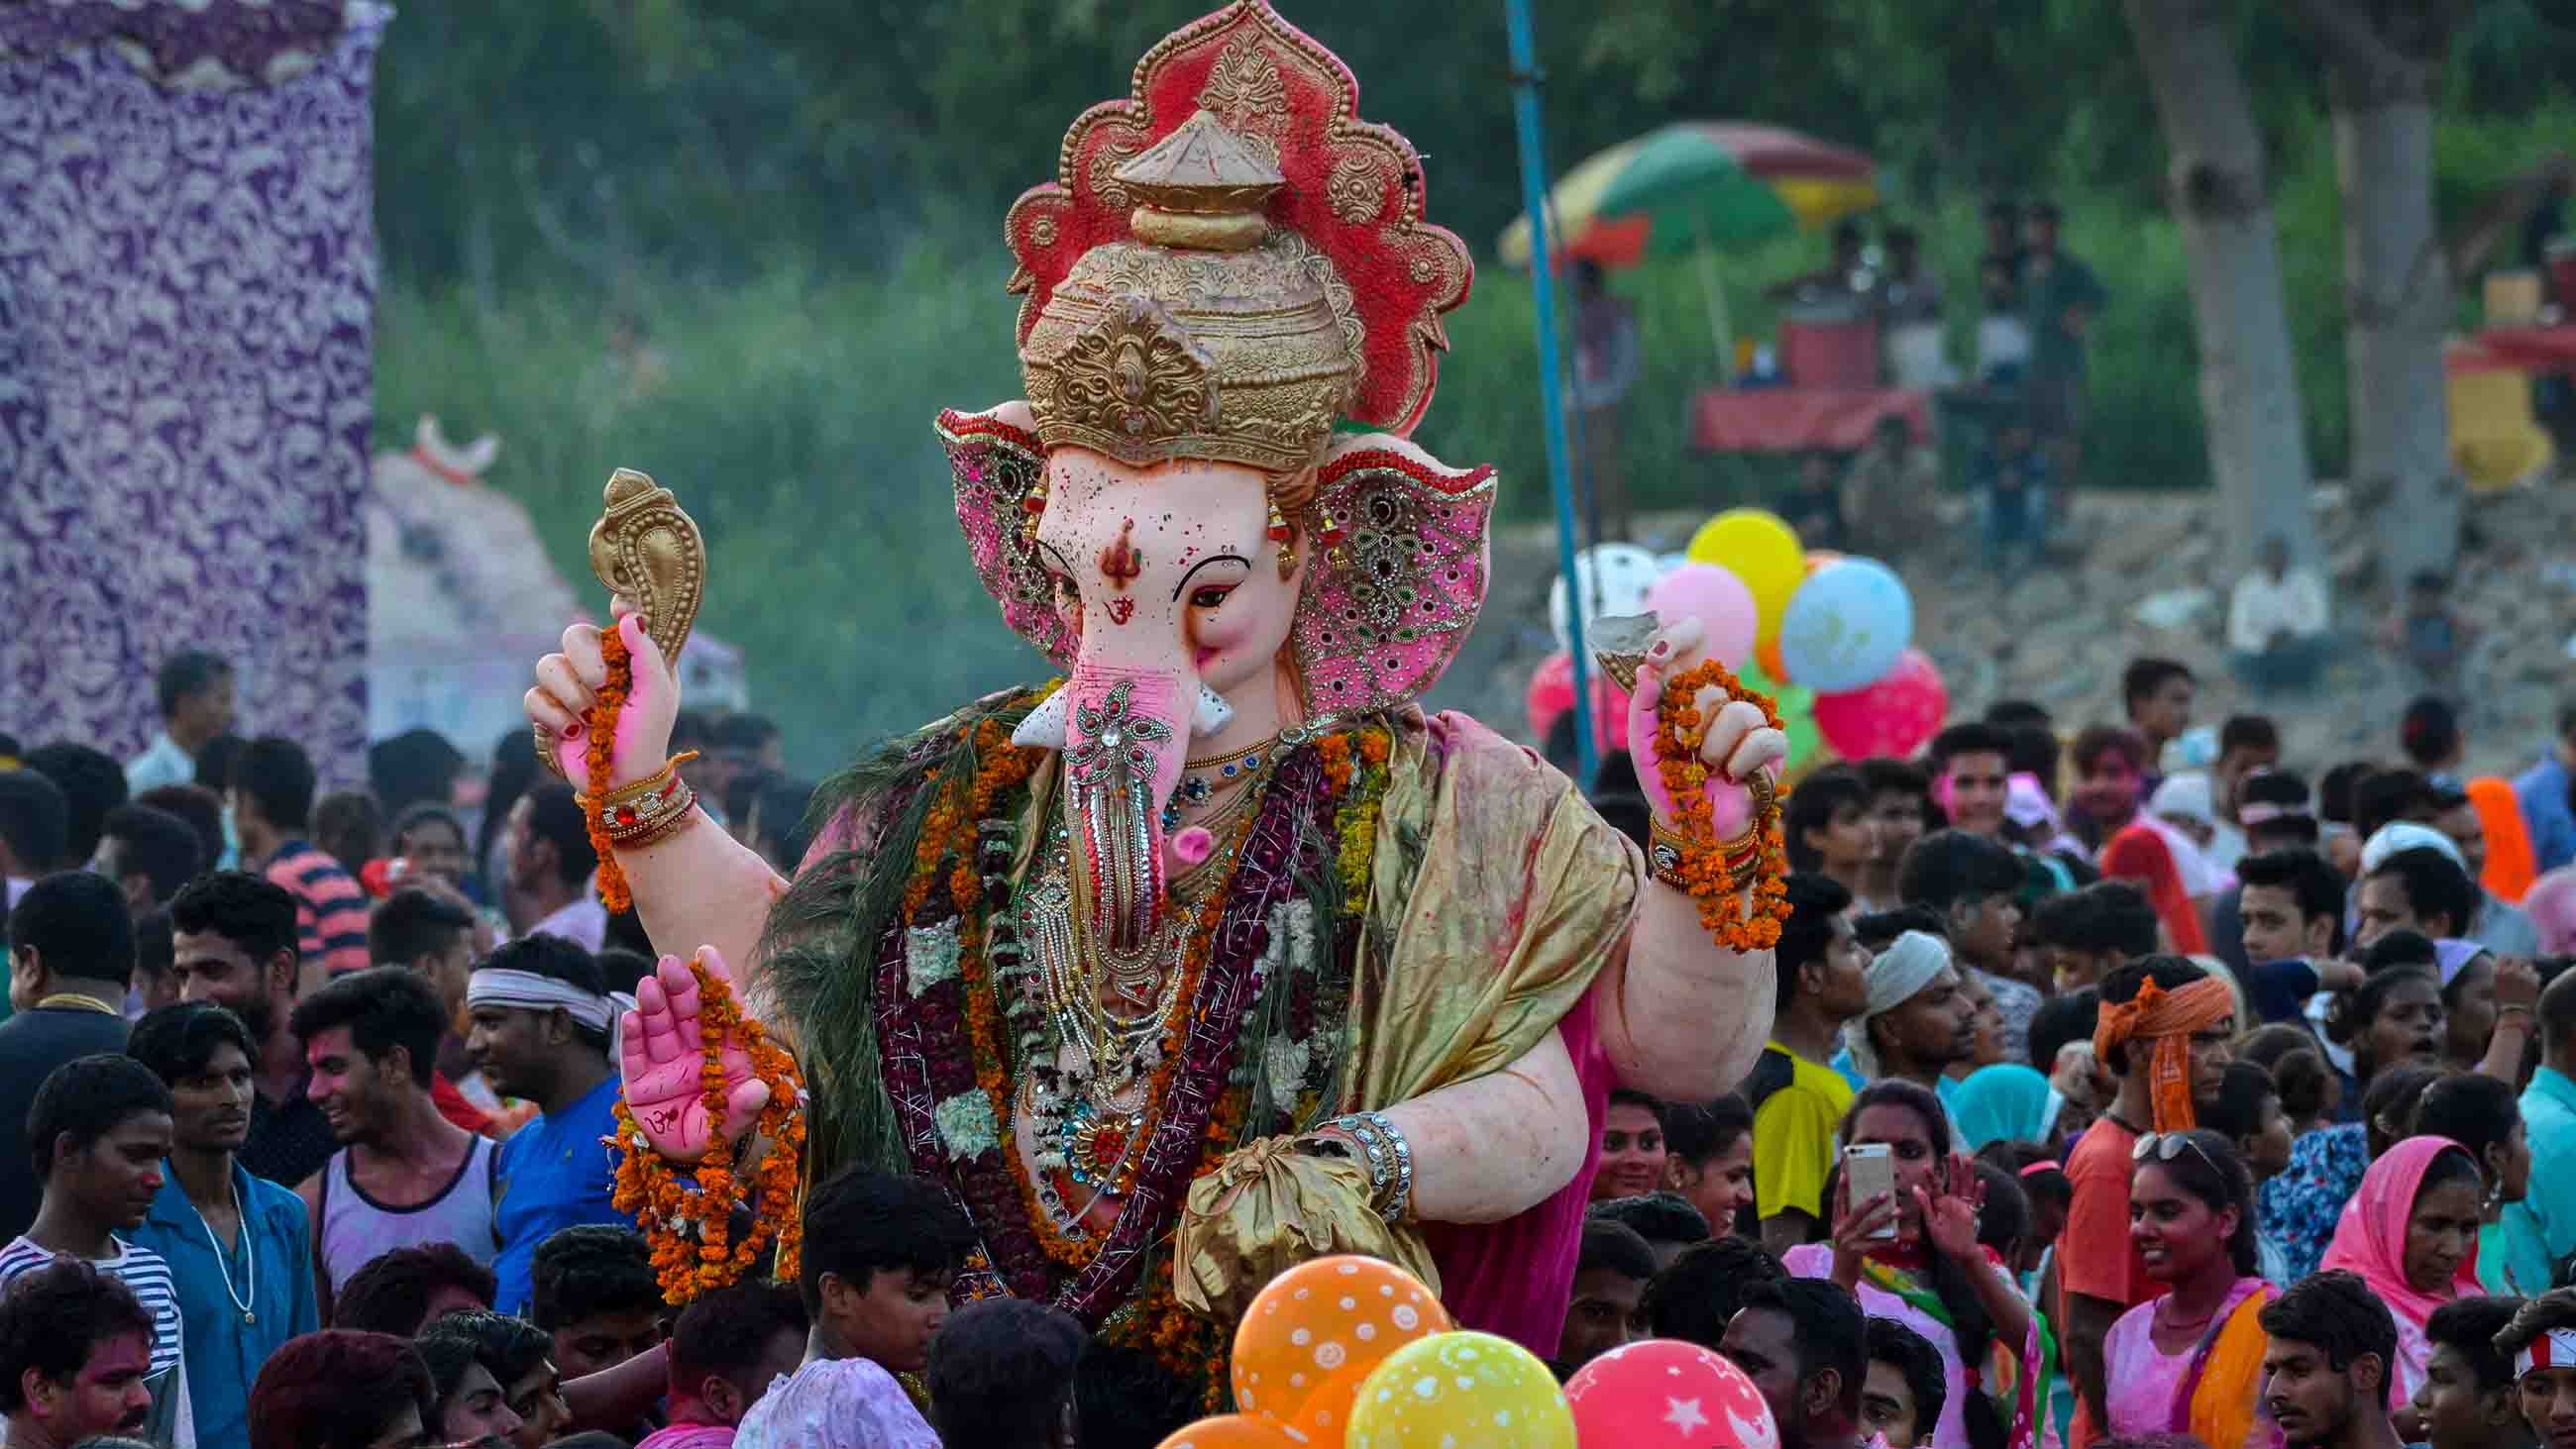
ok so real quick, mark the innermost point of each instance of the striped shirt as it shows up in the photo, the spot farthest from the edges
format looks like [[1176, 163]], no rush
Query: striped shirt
[[330, 907], [143, 1270]]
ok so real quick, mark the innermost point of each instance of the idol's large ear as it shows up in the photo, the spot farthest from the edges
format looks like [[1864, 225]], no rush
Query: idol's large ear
[[1396, 572], [1000, 472]]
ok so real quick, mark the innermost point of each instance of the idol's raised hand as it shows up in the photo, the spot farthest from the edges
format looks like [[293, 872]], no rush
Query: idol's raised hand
[[569, 681], [1735, 741]]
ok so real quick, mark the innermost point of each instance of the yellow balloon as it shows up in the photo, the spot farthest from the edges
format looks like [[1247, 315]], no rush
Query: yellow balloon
[[1461, 1389], [1757, 547]]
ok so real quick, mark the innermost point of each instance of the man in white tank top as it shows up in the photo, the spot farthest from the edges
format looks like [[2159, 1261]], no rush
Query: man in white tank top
[[407, 1176]]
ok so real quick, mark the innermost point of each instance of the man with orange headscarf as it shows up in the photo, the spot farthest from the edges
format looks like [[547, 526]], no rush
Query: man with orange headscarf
[[2164, 1033]]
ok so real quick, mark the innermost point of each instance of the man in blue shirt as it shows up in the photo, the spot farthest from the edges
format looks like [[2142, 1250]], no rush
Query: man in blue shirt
[[2542, 791], [2517, 1252], [541, 1031], [240, 1247], [195, 692]]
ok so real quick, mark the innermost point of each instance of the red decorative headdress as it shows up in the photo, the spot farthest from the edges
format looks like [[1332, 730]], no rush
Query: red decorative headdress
[[1351, 191]]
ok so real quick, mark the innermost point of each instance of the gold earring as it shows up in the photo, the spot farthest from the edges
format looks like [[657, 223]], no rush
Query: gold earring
[[1288, 558], [1035, 500], [1279, 530]]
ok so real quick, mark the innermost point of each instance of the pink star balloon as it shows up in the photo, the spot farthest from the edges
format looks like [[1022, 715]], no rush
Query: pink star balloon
[[1665, 1394]]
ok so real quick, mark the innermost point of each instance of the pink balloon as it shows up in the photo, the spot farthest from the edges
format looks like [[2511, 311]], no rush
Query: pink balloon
[[1712, 594], [1664, 1394], [1551, 694], [1895, 716]]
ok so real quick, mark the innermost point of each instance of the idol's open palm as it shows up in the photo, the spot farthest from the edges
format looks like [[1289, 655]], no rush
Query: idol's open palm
[[665, 1061]]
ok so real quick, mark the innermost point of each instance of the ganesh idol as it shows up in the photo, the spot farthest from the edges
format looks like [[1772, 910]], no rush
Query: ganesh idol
[[1218, 953]]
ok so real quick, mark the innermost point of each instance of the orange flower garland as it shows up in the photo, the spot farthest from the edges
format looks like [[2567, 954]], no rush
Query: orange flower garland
[[689, 1229], [1715, 872], [1154, 1320], [600, 723]]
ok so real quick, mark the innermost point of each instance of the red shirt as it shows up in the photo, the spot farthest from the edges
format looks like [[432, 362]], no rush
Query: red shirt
[[456, 1107]]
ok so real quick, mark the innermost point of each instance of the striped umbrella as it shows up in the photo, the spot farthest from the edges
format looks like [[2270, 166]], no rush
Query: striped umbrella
[[1696, 184], [1692, 187]]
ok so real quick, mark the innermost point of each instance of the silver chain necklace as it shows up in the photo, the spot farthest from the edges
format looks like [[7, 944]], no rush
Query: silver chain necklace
[[245, 1300]]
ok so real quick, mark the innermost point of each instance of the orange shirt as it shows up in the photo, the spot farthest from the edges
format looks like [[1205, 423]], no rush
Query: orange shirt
[[2094, 1254]]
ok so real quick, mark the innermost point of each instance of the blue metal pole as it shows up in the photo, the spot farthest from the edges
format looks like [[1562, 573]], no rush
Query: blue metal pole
[[1525, 113]]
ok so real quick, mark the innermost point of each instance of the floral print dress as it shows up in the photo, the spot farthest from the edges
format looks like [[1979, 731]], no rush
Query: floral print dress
[[2298, 1209]]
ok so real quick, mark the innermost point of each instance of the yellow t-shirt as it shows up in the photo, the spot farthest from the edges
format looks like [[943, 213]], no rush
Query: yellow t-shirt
[[1797, 1106]]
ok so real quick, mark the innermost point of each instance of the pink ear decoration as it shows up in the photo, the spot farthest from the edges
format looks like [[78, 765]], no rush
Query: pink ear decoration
[[1000, 477], [1384, 610]]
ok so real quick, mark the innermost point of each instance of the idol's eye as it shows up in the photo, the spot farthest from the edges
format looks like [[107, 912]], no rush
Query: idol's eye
[[1210, 597]]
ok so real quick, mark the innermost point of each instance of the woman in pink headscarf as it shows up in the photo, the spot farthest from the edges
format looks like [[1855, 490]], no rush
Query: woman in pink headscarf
[[2412, 1233]]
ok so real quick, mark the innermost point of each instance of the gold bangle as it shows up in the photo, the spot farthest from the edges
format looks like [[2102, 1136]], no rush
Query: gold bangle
[[668, 825], [638, 811], [651, 784], [1666, 849]]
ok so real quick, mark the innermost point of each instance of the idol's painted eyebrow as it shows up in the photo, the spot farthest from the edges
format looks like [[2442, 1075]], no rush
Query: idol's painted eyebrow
[[1203, 563]]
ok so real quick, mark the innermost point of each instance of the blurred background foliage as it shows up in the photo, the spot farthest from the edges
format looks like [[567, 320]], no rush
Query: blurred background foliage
[[752, 246]]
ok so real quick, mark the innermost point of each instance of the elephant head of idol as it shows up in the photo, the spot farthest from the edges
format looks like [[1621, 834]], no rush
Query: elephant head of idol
[[1206, 513]]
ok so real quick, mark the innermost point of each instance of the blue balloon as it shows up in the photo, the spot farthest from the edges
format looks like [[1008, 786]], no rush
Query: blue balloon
[[1847, 626]]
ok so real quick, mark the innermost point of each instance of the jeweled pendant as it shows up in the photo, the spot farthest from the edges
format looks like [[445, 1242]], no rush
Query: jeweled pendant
[[249, 1317], [1096, 1152]]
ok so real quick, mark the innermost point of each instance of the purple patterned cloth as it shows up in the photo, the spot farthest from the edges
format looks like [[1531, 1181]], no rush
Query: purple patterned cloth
[[187, 288]]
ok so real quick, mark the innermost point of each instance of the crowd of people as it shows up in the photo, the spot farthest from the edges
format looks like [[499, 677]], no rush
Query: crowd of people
[[2109, 1100], [2104, 1103]]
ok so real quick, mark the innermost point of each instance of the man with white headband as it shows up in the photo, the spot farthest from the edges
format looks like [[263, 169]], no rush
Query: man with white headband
[[2542, 1340], [541, 1030], [1918, 1021]]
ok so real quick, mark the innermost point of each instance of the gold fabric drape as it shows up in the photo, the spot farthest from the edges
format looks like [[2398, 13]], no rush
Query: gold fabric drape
[[1497, 896]]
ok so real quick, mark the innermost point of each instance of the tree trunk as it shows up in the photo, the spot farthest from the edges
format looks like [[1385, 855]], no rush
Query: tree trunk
[[2397, 303], [2216, 184]]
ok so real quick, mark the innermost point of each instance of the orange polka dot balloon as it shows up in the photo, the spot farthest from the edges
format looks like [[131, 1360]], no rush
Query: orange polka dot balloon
[[1233, 1431], [1317, 1331]]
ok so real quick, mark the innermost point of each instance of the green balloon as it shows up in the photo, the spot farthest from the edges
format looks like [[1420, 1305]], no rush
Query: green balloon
[[1797, 707]]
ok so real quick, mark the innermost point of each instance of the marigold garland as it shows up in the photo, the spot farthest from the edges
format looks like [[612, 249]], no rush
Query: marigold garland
[[689, 1225], [1355, 819], [1153, 1319], [1716, 872], [600, 723]]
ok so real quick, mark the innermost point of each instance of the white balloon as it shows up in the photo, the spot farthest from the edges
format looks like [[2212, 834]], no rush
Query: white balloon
[[1614, 579]]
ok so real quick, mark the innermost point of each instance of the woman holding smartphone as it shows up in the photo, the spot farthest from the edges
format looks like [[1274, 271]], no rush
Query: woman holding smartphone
[[1905, 1244]]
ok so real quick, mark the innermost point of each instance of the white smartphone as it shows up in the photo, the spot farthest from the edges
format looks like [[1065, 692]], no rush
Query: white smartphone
[[1869, 1171]]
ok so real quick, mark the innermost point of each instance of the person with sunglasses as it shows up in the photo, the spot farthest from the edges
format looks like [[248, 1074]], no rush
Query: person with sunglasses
[[2190, 1360], [2166, 1033]]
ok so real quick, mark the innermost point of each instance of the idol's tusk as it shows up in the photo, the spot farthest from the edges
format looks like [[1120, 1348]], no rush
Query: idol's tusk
[[1044, 727], [1211, 715]]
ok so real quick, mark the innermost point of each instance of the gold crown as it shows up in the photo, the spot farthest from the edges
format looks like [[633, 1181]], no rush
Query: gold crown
[[1211, 335]]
